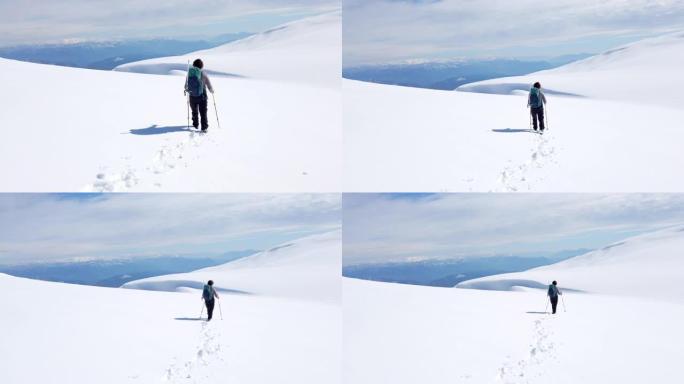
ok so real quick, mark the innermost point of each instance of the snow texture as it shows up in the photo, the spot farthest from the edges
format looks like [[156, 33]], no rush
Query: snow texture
[[62, 333], [614, 127], [71, 129], [618, 321]]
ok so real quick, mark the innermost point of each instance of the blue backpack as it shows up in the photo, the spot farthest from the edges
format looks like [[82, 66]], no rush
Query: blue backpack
[[535, 98], [208, 293], [195, 83]]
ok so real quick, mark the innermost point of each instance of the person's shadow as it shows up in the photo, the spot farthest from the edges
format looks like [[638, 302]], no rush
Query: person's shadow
[[537, 313], [155, 130], [189, 318], [513, 130]]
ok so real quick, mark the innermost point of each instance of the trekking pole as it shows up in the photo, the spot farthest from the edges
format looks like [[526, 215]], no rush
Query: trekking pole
[[220, 311], [185, 92], [213, 98], [546, 116], [563, 301], [202, 311], [547, 305]]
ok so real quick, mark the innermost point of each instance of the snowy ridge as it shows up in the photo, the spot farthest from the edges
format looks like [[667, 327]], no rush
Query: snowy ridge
[[308, 268], [648, 265], [304, 51], [633, 72]]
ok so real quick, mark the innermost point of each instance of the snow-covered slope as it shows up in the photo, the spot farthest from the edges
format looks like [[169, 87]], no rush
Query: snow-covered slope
[[614, 127], [68, 129], [648, 266], [308, 268], [61, 333], [623, 327], [644, 72], [304, 51]]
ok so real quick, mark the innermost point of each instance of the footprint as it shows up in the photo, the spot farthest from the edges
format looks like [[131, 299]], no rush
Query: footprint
[[197, 369], [516, 177]]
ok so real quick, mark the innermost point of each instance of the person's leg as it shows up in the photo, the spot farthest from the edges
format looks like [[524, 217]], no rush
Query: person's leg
[[534, 112], [541, 118], [210, 308], [203, 112], [554, 302], [194, 107]]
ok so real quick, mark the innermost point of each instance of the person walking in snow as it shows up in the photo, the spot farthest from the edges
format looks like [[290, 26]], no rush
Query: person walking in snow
[[536, 101], [553, 294], [208, 294], [196, 84]]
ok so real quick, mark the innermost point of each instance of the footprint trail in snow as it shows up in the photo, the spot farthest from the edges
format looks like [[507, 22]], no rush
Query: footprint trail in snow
[[518, 177], [541, 350], [196, 369], [165, 159]]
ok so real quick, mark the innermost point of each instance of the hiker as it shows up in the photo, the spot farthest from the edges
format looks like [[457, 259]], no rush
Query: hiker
[[208, 294], [196, 84], [536, 102], [553, 295]]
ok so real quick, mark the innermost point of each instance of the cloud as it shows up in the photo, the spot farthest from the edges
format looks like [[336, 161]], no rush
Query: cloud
[[383, 31], [36, 21], [48, 227], [382, 228]]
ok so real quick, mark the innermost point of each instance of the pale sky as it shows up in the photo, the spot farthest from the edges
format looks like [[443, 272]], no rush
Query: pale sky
[[55, 21], [55, 227], [405, 227], [381, 31]]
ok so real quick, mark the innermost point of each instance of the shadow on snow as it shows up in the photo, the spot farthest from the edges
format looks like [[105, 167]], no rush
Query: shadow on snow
[[155, 130]]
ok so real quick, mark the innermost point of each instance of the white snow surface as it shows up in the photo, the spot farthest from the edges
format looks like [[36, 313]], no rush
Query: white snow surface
[[613, 127], [623, 327], [71, 129], [62, 333], [308, 269]]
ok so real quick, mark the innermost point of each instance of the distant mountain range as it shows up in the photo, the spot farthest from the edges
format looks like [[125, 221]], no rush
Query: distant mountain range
[[450, 74], [106, 55], [447, 273], [115, 273]]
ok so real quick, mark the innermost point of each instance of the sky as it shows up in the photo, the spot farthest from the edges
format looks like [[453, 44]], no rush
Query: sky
[[78, 227], [57, 21], [387, 31], [382, 228]]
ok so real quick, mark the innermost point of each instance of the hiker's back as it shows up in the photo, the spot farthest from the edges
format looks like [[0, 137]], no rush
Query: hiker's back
[[553, 292], [535, 98], [208, 292], [195, 82]]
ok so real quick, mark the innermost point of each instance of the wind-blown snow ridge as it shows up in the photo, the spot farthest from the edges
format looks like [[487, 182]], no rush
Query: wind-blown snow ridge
[[304, 51], [646, 71], [647, 265], [308, 268]]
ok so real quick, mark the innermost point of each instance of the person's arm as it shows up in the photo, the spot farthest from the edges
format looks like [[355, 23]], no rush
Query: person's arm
[[207, 82], [529, 98], [216, 294], [543, 97]]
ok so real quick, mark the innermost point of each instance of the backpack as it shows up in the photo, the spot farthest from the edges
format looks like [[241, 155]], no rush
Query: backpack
[[195, 82], [208, 293], [552, 292], [535, 98]]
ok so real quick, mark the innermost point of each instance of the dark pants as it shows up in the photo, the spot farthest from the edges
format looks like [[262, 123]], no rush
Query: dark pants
[[554, 303], [210, 308], [537, 115], [198, 105]]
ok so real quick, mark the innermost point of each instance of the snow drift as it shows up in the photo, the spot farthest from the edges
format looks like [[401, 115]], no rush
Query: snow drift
[[305, 51], [308, 268], [72, 129], [646, 266], [644, 72]]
